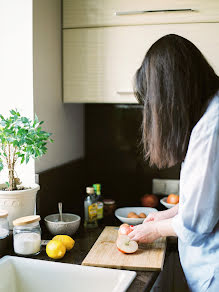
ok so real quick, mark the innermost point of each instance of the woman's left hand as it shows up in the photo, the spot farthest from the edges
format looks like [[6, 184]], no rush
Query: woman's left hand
[[145, 233]]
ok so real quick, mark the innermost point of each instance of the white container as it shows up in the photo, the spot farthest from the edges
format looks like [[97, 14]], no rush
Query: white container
[[21, 274], [18, 203], [27, 235], [122, 214]]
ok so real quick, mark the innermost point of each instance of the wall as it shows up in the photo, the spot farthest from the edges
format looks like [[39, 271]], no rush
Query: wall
[[64, 121], [16, 70], [114, 154]]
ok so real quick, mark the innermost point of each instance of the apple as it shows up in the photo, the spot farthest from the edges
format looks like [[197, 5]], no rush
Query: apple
[[126, 245], [124, 229], [149, 200]]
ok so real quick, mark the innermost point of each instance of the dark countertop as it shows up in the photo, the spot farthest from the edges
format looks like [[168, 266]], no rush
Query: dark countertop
[[84, 240]]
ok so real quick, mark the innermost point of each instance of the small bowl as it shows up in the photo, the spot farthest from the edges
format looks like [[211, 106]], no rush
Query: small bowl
[[122, 214], [68, 226], [167, 205]]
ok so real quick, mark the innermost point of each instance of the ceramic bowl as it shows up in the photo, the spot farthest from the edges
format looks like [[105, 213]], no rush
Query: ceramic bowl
[[68, 226], [122, 214], [167, 205]]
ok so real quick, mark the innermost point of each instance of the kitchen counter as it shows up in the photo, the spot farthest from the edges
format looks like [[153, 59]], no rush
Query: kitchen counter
[[84, 240]]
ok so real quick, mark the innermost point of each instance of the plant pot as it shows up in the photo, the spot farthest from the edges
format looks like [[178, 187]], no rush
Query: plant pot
[[18, 203]]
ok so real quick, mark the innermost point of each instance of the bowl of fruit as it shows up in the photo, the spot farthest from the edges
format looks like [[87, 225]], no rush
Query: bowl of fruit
[[133, 215], [170, 201]]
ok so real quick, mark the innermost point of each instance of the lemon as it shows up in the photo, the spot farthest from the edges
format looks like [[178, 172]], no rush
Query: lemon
[[55, 249], [66, 240]]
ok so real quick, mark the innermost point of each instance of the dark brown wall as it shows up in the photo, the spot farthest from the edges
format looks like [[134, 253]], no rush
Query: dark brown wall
[[113, 153], [62, 184]]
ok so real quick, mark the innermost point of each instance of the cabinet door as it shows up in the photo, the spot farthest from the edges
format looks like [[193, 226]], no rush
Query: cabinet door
[[99, 63], [94, 13]]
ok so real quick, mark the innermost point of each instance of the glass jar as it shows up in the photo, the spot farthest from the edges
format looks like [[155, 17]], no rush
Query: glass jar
[[4, 232], [27, 236], [109, 207]]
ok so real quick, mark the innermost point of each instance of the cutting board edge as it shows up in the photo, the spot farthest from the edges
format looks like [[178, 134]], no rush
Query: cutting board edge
[[164, 254], [123, 267]]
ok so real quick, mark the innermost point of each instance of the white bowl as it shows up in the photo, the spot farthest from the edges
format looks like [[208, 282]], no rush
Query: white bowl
[[68, 226], [122, 213], [167, 205]]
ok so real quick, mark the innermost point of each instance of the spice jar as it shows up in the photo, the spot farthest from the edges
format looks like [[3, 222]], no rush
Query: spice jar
[[109, 207], [27, 235], [4, 232]]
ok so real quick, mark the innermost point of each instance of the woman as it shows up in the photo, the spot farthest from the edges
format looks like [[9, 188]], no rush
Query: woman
[[180, 94]]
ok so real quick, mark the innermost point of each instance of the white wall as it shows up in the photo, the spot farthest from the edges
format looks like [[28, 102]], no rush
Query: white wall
[[16, 68], [64, 121]]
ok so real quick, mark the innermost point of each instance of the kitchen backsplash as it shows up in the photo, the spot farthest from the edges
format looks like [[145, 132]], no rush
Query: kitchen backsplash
[[114, 153]]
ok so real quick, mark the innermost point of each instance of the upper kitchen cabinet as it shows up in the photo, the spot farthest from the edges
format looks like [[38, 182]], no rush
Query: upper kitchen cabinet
[[99, 63], [95, 13]]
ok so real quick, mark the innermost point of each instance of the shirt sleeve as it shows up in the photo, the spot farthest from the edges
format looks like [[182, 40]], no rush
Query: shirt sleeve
[[199, 187]]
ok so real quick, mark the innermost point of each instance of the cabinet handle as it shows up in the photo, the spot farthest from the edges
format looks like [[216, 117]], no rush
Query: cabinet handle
[[119, 13]]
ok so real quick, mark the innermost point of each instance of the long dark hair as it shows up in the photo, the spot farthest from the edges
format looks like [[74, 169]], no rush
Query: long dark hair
[[175, 84]]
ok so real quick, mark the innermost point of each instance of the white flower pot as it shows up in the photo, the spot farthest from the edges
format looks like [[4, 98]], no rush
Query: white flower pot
[[18, 203]]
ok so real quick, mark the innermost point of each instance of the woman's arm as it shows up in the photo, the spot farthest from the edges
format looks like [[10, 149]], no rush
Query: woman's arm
[[162, 215], [152, 230]]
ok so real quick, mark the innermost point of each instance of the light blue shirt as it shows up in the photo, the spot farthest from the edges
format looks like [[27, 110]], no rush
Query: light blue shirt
[[197, 222]]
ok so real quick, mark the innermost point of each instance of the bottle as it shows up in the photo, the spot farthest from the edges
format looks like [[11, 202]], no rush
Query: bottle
[[90, 208], [99, 199]]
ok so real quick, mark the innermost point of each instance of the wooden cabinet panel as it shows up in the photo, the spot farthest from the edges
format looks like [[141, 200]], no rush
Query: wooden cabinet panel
[[94, 13], [99, 63]]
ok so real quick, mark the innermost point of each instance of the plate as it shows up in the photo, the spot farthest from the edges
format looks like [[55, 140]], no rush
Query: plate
[[122, 213], [167, 205]]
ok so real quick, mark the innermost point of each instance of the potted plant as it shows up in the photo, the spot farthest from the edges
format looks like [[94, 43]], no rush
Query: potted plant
[[20, 139]]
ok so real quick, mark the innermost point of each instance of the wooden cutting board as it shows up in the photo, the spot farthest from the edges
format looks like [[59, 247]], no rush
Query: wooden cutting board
[[104, 253]]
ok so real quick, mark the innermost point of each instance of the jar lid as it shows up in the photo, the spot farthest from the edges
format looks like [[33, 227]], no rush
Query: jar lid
[[3, 213], [26, 220], [89, 190], [109, 201]]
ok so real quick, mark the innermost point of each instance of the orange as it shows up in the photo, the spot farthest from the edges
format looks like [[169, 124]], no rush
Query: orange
[[173, 199]]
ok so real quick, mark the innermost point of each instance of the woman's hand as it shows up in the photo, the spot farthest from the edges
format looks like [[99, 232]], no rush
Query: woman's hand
[[156, 216], [162, 215], [145, 233], [152, 230]]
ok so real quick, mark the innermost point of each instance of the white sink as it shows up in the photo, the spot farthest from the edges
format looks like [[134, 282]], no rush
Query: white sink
[[19, 274]]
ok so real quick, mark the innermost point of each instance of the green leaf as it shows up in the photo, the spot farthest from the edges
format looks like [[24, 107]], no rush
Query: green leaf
[[41, 122], [7, 184], [24, 120], [13, 112], [15, 143], [27, 158], [23, 158], [1, 165], [36, 120]]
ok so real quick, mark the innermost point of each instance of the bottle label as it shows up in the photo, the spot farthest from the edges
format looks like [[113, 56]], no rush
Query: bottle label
[[99, 210], [92, 212]]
